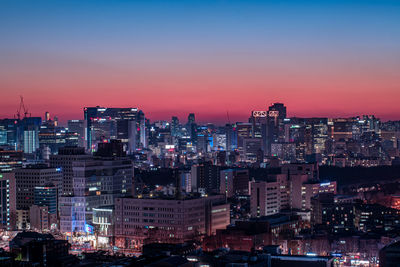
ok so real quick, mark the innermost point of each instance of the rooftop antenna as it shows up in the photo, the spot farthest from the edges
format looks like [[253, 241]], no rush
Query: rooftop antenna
[[22, 108], [227, 115]]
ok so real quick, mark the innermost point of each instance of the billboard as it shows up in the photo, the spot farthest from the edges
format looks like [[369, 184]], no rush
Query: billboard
[[259, 114]]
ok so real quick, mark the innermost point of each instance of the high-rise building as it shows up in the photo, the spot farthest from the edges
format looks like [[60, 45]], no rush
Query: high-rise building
[[26, 179], [63, 161], [47, 196], [206, 178], [97, 182], [125, 124], [275, 127], [9, 133], [234, 182], [191, 127], [191, 119], [302, 192], [7, 200], [10, 160], [28, 134], [251, 149], [78, 126], [264, 198], [174, 126]]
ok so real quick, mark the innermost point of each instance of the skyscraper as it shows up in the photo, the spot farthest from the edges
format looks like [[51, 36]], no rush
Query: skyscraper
[[174, 126], [125, 124]]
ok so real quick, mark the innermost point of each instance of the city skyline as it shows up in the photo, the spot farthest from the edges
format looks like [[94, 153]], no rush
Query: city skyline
[[335, 59], [183, 117]]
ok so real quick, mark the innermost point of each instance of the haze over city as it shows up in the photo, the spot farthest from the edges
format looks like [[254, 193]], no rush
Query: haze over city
[[170, 58]]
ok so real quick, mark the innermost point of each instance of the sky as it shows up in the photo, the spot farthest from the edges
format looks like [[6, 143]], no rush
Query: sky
[[320, 58]]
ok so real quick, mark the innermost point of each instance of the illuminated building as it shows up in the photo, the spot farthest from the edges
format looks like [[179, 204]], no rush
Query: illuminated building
[[63, 160], [168, 220], [275, 127], [231, 137], [103, 220], [284, 151], [252, 147], [302, 191], [10, 160], [96, 183], [9, 133], [244, 130], [7, 200], [234, 182], [28, 134], [78, 126], [369, 217], [205, 178], [55, 138], [264, 198], [174, 126], [125, 124], [31, 139], [28, 178], [47, 196]]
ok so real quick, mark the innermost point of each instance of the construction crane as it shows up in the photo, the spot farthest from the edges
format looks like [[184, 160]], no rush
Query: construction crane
[[22, 108]]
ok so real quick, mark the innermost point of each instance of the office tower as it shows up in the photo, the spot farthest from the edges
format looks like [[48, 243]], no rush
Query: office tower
[[47, 196], [174, 126], [52, 138], [244, 130], [125, 124], [167, 220], [251, 149], [264, 198], [78, 126], [341, 128], [234, 182], [202, 143], [275, 127], [219, 142], [31, 139], [191, 119], [259, 121], [231, 137], [7, 200], [9, 132], [28, 134], [10, 160], [186, 180], [221, 158], [303, 191], [26, 179], [284, 151], [191, 128], [43, 214], [114, 148], [47, 116], [205, 178], [63, 161], [3, 135], [96, 183]]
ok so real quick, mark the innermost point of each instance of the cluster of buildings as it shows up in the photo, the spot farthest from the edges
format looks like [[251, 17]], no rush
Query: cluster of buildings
[[117, 182]]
